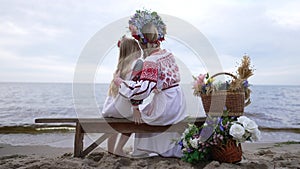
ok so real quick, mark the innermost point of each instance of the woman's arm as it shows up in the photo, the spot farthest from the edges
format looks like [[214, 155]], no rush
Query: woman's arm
[[141, 89], [136, 76]]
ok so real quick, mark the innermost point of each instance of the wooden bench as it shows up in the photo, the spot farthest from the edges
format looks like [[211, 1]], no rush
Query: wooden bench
[[108, 126]]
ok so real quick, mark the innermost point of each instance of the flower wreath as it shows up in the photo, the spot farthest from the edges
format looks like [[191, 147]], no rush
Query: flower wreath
[[140, 18]]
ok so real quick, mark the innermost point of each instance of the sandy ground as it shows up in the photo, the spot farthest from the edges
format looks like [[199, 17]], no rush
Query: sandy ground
[[255, 155]]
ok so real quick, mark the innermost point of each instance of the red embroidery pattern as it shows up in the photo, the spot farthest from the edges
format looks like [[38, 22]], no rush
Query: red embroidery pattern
[[150, 71], [169, 71]]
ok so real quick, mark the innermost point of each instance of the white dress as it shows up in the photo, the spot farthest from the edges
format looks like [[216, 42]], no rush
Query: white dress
[[118, 106], [160, 73]]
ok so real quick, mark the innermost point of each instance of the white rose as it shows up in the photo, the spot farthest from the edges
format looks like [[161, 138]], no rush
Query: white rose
[[237, 131], [243, 119], [250, 126], [255, 135], [194, 142]]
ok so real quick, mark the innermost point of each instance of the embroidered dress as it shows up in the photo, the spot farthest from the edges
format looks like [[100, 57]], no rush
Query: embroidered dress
[[160, 74], [120, 107]]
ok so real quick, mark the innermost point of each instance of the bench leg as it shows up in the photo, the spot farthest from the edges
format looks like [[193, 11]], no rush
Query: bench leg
[[95, 144], [78, 142]]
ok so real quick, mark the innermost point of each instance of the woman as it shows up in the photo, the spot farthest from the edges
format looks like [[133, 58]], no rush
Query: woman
[[160, 74], [129, 67]]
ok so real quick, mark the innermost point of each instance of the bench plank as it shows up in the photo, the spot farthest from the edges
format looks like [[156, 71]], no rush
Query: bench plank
[[113, 125], [103, 120]]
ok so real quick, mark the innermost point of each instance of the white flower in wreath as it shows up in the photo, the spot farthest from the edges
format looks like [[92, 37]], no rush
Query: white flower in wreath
[[250, 126], [194, 142], [237, 131]]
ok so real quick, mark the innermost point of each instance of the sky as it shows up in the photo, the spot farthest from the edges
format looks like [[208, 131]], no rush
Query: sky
[[41, 41]]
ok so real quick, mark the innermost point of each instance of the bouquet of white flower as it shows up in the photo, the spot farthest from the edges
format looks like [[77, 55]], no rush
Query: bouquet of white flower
[[244, 129], [199, 143]]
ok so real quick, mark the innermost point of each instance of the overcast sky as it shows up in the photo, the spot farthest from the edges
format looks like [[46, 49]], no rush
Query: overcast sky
[[40, 41]]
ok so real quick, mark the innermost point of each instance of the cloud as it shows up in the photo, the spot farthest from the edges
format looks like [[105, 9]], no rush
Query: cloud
[[10, 28], [287, 15], [48, 37], [40, 69]]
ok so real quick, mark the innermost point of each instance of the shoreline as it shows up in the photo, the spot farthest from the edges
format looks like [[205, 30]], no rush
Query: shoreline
[[255, 155], [65, 138], [68, 128]]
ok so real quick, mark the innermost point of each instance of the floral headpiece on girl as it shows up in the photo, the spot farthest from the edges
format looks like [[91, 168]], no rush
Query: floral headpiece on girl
[[120, 40], [141, 18]]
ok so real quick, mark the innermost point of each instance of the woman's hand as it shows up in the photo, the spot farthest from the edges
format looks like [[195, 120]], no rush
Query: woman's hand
[[117, 80], [137, 116]]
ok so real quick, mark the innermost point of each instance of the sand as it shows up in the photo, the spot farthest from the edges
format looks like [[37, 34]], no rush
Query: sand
[[255, 155]]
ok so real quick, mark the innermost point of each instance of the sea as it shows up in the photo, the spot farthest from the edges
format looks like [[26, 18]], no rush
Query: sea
[[276, 110]]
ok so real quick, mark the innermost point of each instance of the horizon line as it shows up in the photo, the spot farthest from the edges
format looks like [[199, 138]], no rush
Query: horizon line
[[259, 84]]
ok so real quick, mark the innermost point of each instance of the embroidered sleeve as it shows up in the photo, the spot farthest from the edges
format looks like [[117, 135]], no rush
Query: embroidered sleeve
[[135, 76], [139, 90], [136, 91]]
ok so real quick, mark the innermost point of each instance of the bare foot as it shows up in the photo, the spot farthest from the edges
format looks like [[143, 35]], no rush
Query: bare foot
[[120, 153]]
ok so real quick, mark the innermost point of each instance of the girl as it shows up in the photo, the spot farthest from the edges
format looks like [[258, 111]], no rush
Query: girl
[[129, 67]]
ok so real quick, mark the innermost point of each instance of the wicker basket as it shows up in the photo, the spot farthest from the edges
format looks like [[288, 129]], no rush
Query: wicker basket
[[214, 103], [229, 153]]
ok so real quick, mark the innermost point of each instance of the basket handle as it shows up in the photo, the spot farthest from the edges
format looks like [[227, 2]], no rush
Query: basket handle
[[224, 73], [233, 76]]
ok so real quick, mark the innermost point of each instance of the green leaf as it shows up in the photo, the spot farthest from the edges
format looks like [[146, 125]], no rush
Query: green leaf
[[154, 13]]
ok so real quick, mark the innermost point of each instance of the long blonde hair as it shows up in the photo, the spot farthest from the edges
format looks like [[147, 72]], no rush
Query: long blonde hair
[[129, 51]]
